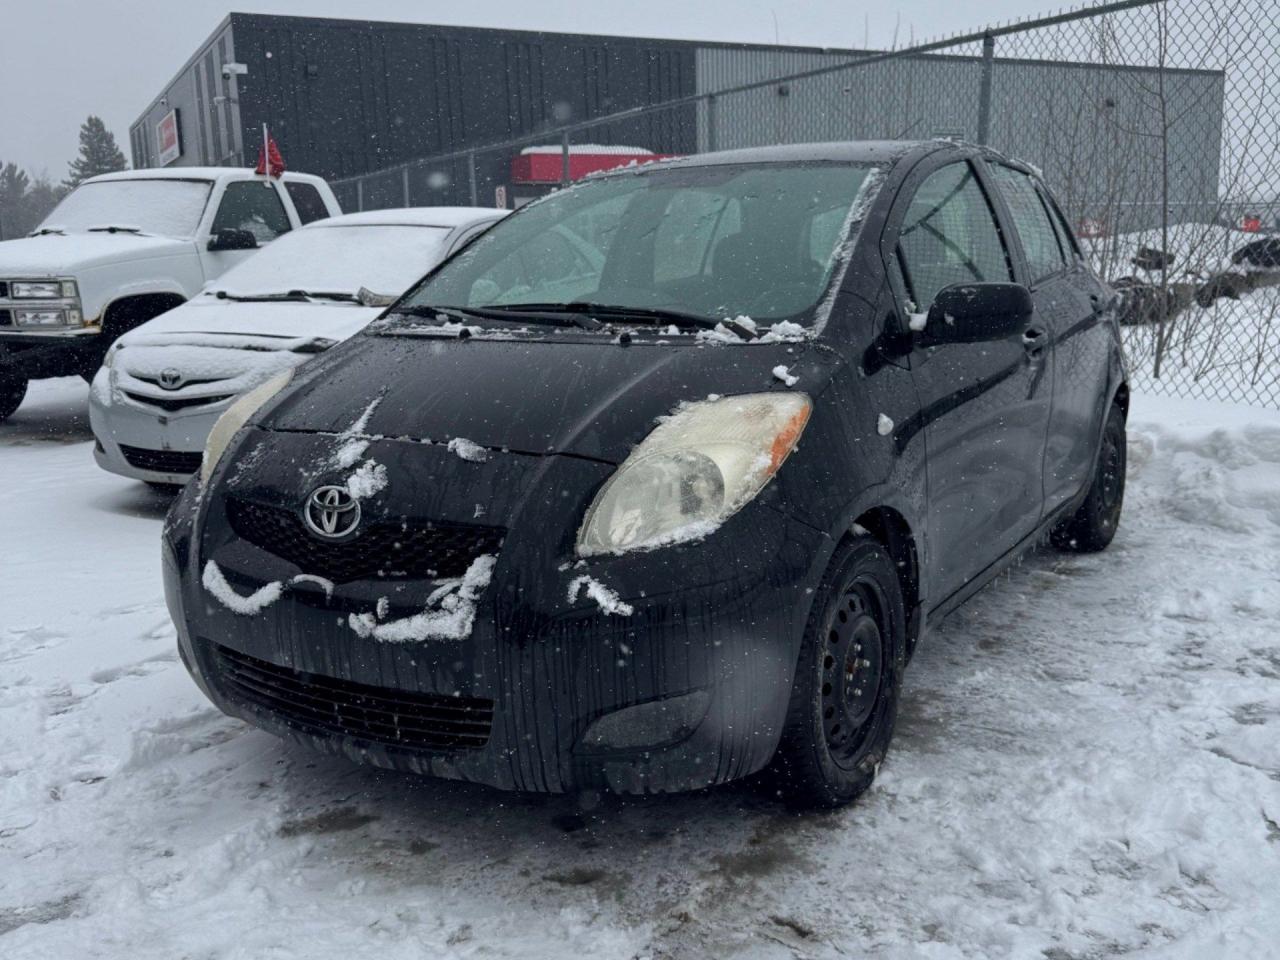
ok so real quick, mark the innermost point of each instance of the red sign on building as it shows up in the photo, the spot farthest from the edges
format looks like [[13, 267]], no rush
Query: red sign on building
[[168, 138]]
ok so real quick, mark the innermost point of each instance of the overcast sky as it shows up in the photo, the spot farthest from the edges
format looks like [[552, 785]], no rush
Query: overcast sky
[[61, 60]]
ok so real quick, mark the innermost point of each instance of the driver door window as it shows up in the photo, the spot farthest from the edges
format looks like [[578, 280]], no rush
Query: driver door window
[[950, 236], [252, 205]]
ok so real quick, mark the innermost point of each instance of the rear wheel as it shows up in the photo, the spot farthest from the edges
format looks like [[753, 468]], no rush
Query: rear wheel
[[12, 390], [844, 700], [1093, 525]]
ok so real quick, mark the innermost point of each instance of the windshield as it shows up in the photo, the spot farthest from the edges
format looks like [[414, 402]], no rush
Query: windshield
[[758, 240], [384, 259], [168, 208]]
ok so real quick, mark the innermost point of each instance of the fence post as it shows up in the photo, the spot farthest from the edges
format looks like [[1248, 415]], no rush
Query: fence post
[[471, 175], [564, 159], [984, 90], [360, 194], [712, 132], [404, 177]]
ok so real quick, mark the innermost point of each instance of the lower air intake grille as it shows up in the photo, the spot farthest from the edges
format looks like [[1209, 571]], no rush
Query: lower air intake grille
[[383, 549], [328, 706], [162, 461]]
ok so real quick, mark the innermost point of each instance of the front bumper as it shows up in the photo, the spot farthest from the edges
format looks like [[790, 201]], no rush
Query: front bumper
[[146, 443], [35, 355], [716, 623]]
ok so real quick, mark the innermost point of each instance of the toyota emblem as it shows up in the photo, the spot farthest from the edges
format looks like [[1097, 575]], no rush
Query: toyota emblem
[[170, 378], [332, 512]]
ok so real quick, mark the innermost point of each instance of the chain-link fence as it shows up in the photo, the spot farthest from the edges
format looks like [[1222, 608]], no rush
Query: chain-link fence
[[1156, 123]]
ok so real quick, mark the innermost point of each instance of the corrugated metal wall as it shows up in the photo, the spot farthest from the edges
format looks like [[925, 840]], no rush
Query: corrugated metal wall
[[1043, 112], [208, 116]]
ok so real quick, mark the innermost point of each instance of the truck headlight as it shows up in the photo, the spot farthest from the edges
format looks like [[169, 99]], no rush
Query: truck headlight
[[696, 469], [41, 317], [40, 289], [235, 417]]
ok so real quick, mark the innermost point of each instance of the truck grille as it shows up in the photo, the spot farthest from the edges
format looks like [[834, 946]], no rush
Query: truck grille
[[383, 549], [176, 403], [330, 706], [163, 461], [6, 318]]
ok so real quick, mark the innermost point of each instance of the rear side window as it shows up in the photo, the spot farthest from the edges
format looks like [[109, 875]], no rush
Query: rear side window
[[307, 201], [1039, 239], [252, 205], [950, 236]]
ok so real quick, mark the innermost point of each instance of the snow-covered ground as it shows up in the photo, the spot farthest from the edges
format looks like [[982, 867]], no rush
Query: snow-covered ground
[[1087, 765]]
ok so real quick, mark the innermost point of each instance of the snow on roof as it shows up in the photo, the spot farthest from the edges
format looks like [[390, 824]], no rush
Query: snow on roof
[[591, 148], [413, 217], [189, 173]]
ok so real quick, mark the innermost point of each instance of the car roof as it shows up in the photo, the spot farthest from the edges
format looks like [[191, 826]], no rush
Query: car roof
[[448, 217], [192, 173]]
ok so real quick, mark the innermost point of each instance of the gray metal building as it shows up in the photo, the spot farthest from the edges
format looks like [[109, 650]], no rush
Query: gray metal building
[[349, 98]]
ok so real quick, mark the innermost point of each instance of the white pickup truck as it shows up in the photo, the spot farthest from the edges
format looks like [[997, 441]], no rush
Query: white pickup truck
[[125, 247]]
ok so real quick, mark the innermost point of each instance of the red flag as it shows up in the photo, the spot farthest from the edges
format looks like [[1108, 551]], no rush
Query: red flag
[[269, 159]]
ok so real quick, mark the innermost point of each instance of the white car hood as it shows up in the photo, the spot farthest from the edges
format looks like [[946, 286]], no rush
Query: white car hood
[[209, 315], [54, 255]]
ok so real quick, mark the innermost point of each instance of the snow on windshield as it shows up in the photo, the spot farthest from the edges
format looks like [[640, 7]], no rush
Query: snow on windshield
[[167, 208], [385, 259]]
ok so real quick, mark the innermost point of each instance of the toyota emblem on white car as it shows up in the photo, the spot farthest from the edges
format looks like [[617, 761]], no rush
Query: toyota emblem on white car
[[170, 378], [331, 512]]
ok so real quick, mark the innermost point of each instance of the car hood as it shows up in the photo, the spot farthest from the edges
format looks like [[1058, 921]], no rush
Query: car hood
[[209, 315], [588, 397], [52, 255]]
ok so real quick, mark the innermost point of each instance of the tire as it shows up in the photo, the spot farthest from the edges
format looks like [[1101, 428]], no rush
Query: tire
[[1093, 525], [840, 721], [12, 390]]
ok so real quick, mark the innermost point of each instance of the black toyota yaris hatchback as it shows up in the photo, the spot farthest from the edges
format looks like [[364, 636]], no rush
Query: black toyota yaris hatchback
[[659, 482]]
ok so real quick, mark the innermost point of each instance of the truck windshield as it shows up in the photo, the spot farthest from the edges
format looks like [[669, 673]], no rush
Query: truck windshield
[[169, 208], [756, 240]]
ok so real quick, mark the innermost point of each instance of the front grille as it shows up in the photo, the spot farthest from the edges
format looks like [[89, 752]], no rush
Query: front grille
[[162, 461], [176, 403], [4, 289], [6, 318], [329, 706], [383, 549]]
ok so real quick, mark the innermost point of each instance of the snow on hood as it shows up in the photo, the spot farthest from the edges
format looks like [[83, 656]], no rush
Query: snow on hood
[[52, 254], [332, 320]]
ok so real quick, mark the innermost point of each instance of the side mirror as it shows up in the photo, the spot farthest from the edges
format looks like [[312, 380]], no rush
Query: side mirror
[[233, 239], [977, 312]]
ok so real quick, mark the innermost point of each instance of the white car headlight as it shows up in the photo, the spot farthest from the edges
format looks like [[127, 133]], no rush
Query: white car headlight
[[36, 290], [696, 469], [235, 417]]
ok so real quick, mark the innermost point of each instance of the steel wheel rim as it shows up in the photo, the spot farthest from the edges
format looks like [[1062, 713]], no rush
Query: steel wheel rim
[[852, 673]]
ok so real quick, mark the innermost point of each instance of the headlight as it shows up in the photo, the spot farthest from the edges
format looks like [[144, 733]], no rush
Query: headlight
[[110, 358], [39, 290], [695, 470], [235, 417]]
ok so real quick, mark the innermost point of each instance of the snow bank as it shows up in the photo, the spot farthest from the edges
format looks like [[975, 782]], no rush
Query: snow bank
[[450, 613]]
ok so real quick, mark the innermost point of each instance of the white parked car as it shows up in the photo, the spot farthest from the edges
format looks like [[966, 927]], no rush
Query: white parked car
[[125, 247], [163, 385]]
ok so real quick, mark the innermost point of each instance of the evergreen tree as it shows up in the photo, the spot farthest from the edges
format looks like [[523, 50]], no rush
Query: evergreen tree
[[98, 153]]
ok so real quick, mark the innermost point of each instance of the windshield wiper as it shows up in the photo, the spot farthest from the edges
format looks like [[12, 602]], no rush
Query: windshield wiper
[[623, 314], [45, 231], [113, 228], [298, 296], [505, 313]]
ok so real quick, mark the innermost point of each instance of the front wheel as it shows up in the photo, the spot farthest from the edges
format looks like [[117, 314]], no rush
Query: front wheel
[[1093, 525], [12, 391], [844, 699]]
